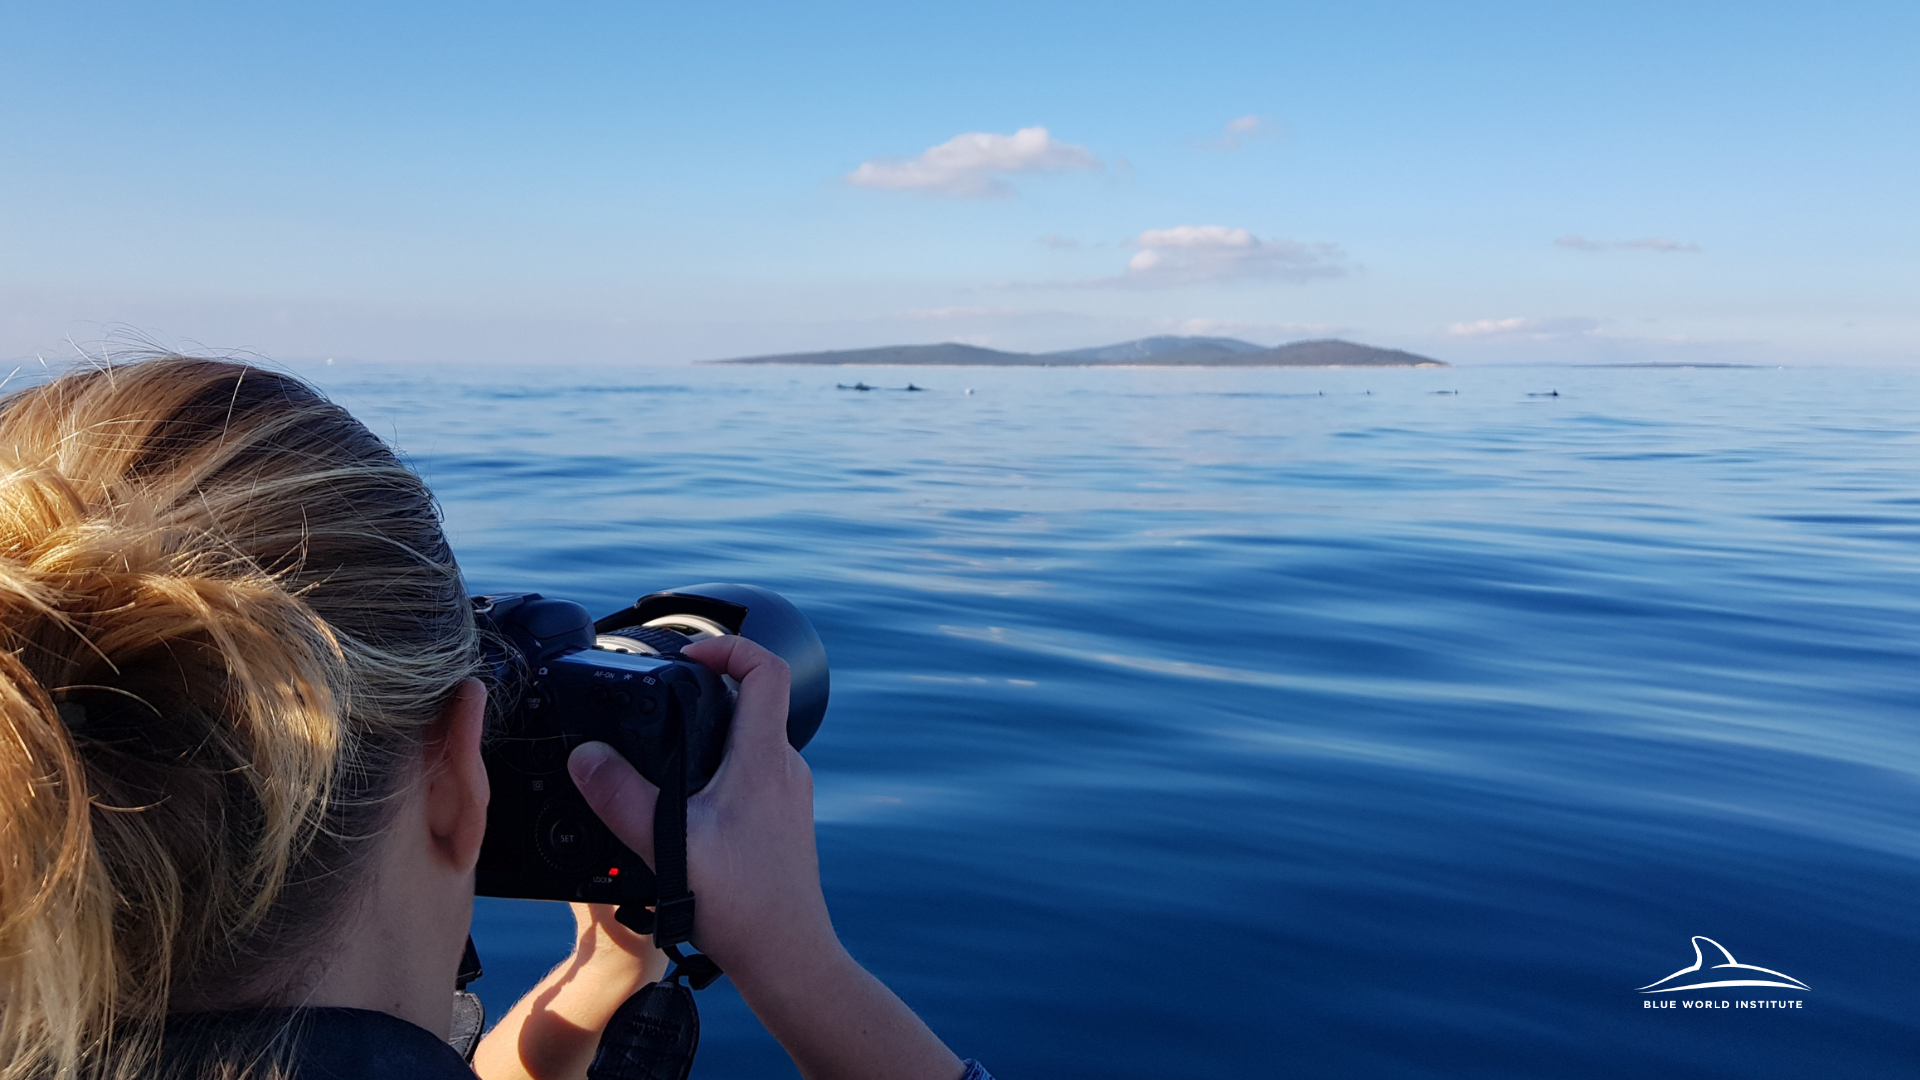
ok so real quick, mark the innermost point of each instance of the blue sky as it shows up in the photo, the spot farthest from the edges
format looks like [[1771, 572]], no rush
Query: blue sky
[[1480, 182]]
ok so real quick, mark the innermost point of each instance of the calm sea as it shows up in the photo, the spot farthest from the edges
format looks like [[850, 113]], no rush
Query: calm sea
[[1284, 723]]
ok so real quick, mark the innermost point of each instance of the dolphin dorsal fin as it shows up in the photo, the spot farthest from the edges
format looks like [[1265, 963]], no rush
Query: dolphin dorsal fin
[[1711, 954]]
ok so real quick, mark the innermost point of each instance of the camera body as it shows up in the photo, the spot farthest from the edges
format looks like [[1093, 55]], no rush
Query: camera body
[[560, 679]]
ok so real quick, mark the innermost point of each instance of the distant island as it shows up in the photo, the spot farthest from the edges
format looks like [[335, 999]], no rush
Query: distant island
[[1163, 351]]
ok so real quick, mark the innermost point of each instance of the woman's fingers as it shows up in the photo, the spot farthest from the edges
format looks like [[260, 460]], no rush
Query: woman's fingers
[[617, 793], [624, 799], [760, 710]]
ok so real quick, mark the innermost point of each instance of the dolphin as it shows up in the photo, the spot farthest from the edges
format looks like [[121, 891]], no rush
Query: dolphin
[[1732, 968], [855, 386]]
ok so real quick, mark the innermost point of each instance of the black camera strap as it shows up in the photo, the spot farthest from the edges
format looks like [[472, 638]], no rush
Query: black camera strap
[[671, 919], [673, 910], [654, 1034], [469, 1015]]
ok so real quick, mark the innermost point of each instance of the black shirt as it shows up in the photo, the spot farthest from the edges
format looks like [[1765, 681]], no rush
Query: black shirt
[[307, 1044]]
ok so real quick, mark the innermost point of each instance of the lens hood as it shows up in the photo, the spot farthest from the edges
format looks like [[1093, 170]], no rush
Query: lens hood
[[761, 616]]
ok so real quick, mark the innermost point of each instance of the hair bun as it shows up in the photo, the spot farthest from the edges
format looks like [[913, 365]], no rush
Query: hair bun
[[227, 615]]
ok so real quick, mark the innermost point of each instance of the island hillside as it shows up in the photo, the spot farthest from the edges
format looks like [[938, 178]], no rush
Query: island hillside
[[1153, 351]]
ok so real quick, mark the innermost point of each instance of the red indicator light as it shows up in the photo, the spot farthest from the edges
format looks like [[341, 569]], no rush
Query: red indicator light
[[613, 871]]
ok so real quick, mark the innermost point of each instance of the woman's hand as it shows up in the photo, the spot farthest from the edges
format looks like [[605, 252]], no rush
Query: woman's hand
[[551, 1033], [752, 864], [759, 910]]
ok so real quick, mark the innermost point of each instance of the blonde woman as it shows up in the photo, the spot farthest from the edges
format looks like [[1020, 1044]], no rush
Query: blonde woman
[[241, 794]]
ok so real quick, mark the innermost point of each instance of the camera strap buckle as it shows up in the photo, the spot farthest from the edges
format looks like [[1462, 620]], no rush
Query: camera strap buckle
[[672, 920], [697, 968]]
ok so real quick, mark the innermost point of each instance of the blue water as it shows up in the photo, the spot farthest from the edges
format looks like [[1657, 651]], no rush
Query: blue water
[[1304, 723]]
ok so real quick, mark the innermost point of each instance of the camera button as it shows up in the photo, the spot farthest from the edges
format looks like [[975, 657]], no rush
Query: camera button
[[567, 841], [622, 698], [547, 755]]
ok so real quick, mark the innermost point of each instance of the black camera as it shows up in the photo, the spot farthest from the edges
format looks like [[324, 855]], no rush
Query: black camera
[[561, 679]]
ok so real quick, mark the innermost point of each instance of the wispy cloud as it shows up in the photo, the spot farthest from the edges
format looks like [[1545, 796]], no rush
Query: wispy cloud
[[1059, 243], [1660, 244], [974, 165], [1522, 328], [964, 311], [1203, 327], [1190, 254], [1240, 131]]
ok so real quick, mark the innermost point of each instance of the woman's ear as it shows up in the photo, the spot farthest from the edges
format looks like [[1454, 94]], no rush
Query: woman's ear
[[457, 789]]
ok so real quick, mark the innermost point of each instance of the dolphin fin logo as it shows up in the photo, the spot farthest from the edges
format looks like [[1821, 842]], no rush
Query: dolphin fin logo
[[1712, 959]]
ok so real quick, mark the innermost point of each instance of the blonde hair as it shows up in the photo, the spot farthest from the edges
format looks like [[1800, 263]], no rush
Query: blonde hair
[[228, 613]]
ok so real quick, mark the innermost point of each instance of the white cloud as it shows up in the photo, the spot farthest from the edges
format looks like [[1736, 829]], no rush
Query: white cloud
[[1489, 327], [1187, 254], [972, 165], [1659, 244], [1518, 327], [1242, 130]]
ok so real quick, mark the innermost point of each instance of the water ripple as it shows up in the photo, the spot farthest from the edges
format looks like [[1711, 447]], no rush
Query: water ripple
[[1253, 723]]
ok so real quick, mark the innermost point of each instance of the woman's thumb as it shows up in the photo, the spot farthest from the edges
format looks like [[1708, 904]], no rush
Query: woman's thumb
[[618, 794]]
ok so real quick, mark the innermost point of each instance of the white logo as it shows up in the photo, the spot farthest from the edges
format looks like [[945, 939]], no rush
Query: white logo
[[1732, 972]]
